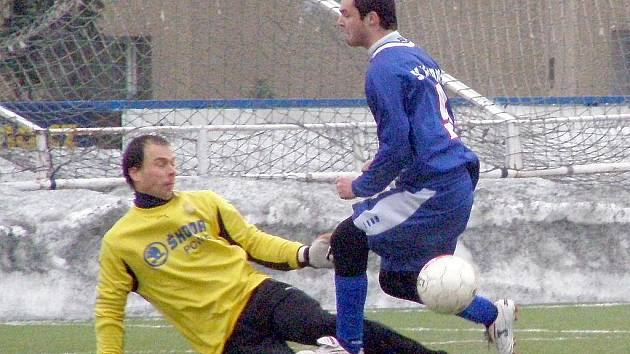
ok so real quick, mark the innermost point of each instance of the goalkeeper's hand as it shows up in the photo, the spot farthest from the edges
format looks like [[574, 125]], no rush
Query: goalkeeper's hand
[[317, 255]]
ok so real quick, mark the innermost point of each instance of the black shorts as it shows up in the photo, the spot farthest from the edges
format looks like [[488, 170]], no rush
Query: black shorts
[[276, 313]]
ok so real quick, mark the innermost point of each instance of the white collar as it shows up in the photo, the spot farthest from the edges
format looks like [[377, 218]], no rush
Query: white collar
[[393, 39], [390, 37]]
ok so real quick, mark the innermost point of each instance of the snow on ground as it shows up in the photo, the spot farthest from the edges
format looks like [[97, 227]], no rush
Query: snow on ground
[[531, 239]]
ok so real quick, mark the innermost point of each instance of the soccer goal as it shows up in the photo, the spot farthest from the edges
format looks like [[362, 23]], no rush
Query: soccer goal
[[539, 88]]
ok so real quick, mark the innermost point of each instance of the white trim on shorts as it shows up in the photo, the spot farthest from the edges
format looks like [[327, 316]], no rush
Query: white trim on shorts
[[391, 211]]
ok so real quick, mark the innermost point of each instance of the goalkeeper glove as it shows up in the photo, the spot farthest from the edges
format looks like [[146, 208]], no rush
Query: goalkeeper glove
[[317, 255]]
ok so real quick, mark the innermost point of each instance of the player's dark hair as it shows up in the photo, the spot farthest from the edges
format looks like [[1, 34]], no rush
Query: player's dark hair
[[134, 153], [385, 9]]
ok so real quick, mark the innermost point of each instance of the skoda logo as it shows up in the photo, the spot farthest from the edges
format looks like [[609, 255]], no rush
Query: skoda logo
[[155, 254]]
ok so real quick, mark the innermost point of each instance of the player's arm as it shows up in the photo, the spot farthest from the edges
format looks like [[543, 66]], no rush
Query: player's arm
[[114, 285], [263, 248], [385, 97]]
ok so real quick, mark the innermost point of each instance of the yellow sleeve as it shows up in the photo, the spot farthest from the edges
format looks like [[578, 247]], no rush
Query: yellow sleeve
[[263, 248], [114, 285]]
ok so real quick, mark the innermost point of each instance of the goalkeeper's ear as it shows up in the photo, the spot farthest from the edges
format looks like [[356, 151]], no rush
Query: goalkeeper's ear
[[317, 255]]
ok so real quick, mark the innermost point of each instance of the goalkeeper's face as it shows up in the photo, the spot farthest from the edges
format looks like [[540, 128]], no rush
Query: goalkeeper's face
[[156, 177]]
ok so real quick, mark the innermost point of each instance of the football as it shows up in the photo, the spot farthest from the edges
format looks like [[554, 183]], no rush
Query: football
[[447, 284]]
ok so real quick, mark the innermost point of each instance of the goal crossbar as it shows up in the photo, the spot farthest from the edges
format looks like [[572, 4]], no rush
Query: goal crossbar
[[495, 173], [326, 177], [210, 128]]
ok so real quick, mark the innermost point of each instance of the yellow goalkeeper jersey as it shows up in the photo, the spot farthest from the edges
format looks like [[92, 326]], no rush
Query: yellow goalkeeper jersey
[[190, 259]]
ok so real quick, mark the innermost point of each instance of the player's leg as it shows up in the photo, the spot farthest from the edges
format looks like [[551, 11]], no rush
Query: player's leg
[[255, 331], [497, 317], [403, 285], [349, 247], [299, 318], [400, 284]]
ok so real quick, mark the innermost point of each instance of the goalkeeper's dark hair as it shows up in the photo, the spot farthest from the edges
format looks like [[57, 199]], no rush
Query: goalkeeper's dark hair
[[385, 9], [134, 153]]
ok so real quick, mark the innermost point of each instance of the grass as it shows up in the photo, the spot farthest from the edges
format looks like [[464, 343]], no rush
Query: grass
[[552, 329]]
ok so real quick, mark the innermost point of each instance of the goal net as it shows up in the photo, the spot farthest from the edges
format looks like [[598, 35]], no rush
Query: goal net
[[269, 88]]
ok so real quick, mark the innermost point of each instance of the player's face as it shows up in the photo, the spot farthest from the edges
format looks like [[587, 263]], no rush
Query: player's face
[[156, 177], [352, 25]]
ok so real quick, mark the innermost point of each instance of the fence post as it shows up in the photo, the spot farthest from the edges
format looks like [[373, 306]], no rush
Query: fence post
[[514, 150], [358, 151], [44, 168], [202, 152]]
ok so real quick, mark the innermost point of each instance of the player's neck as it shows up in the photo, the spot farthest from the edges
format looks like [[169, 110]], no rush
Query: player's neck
[[377, 36], [145, 201], [385, 36]]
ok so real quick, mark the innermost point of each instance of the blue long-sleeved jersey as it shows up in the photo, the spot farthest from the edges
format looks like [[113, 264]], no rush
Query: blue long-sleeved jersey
[[417, 141]]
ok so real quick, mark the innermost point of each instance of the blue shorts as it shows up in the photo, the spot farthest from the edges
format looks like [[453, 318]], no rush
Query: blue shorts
[[407, 228]]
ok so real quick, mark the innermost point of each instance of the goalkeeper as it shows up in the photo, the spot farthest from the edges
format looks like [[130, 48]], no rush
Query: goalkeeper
[[188, 254]]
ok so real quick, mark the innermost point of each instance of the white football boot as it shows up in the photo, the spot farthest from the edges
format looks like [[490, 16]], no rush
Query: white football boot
[[501, 332], [327, 345]]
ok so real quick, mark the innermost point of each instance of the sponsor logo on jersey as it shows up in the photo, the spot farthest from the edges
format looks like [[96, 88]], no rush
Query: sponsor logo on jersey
[[185, 232], [189, 236], [156, 254]]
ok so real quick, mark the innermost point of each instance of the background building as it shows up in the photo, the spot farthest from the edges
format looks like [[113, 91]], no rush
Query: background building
[[197, 49]]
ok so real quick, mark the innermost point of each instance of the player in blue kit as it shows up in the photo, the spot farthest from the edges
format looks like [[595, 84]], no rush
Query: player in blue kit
[[422, 216]]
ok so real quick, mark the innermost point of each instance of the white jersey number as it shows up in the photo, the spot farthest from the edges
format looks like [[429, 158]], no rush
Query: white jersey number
[[447, 120]]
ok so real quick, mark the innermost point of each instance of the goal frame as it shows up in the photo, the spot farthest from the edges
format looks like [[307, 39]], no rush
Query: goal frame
[[498, 116]]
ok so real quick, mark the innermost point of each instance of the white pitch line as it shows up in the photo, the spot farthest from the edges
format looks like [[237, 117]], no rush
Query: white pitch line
[[519, 330], [533, 339], [583, 331], [549, 339], [429, 329], [64, 323], [456, 342], [526, 306], [172, 351], [551, 306], [68, 353], [79, 323], [43, 322]]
